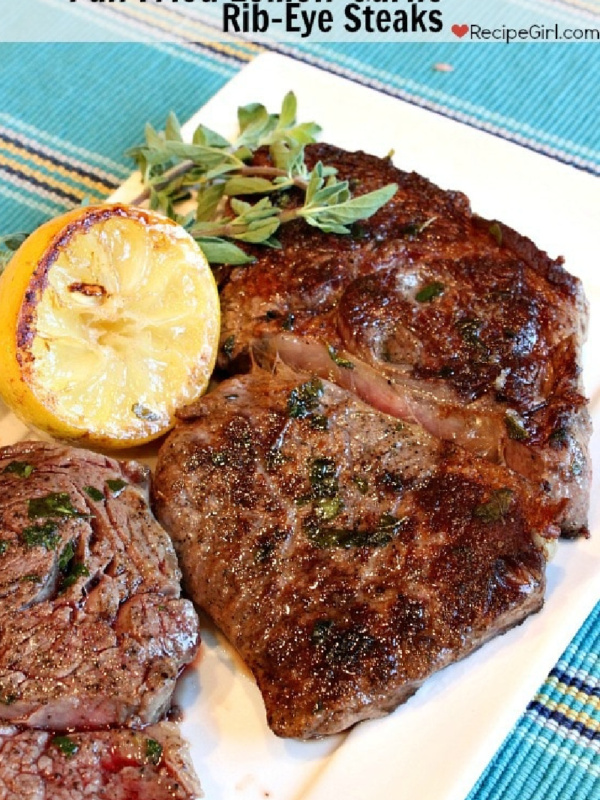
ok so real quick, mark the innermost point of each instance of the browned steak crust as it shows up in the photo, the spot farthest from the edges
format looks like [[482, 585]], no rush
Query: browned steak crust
[[347, 556], [152, 764], [440, 303], [93, 632]]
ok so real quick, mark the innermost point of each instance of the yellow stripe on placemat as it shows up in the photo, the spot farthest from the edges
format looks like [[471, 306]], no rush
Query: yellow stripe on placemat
[[28, 195], [63, 149], [590, 722], [46, 181], [72, 175], [571, 691]]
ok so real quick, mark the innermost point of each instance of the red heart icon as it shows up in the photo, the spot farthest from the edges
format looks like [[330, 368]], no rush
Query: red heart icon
[[460, 30]]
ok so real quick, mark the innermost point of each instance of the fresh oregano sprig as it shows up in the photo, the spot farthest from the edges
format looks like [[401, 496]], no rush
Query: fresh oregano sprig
[[212, 171], [219, 177]]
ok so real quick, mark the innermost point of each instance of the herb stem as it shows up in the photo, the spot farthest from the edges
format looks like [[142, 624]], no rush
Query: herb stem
[[290, 214], [231, 229], [273, 172], [218, 177], [174, 172], [246, 172]]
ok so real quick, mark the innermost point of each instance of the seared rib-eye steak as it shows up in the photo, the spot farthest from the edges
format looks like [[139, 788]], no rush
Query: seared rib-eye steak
[[345, 554], [152, 764], [93, 632], [475, 330]]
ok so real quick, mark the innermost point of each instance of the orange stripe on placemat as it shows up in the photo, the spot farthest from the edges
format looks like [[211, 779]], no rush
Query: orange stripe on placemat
[[52, 166], [36, 180]]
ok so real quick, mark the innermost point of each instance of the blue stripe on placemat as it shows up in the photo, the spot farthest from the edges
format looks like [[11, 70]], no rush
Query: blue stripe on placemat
[[554, 749], [572, 681], [563, 720]]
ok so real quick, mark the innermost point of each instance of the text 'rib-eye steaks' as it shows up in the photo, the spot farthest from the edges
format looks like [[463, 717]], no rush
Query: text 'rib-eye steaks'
[[345, 554], [152, 764], [454, 321], [93, 632]]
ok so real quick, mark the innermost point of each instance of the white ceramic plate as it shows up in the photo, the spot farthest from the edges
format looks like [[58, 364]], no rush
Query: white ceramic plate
[[435, 746]]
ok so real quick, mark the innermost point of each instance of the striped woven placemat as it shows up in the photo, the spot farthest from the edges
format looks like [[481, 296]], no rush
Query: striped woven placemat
[[554, 749]]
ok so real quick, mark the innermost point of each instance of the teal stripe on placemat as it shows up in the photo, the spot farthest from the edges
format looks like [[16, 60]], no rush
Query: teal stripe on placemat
[[553, 752]]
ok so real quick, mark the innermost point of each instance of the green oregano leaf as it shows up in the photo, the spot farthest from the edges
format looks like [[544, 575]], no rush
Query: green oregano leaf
[[207, 201], [66, 745], [173, 128], [46, 536], [93, 493], [496, 507], [318, 422], [383, 533], [210, 168], [515, 426], [321, 631], [228, 346], [495, 230], [20, 468], [55, 504], [143, 412], [327, 508], [429, 292], [305, 398], [116, 486], [66, 557], [219, 251], [336, 218], [209, 138], [323, 477], [31, 578], [242, 185], [362, 484], [154, 751], [76, 570], [344, 363]]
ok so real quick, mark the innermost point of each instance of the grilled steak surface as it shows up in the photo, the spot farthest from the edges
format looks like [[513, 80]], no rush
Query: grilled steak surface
[[345, 554], [477, 332], [152, 764], [93, 632]]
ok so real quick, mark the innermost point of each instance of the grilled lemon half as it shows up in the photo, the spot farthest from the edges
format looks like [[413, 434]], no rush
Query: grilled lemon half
[[109, 321]]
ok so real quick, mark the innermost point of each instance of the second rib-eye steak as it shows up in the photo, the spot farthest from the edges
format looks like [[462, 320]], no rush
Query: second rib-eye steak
[[346, 555], [93, 632]]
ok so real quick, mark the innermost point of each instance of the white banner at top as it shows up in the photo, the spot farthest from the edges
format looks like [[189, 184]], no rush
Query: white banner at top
[[300, 21]]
